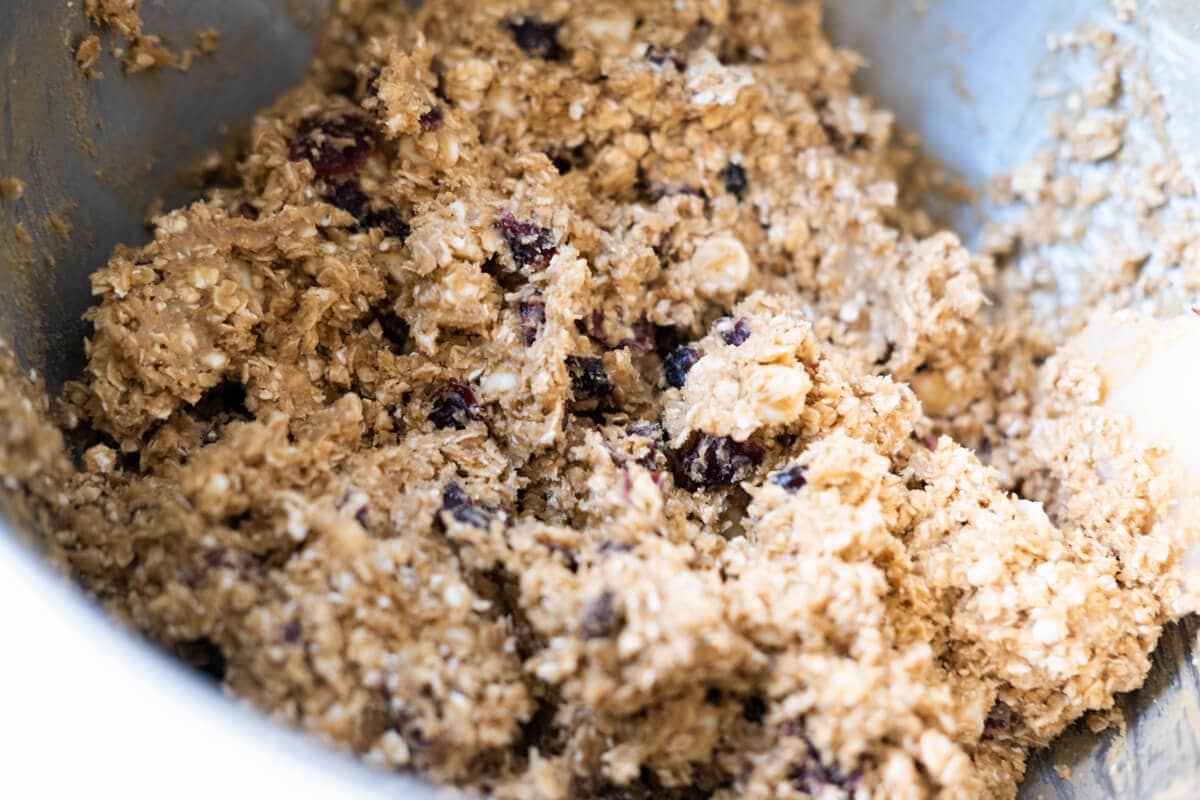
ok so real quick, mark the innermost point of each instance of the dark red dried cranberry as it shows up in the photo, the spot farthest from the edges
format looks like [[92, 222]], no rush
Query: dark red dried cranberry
[[292, 632], [389, 221], [335, 147], [754, 709], [432, 119], [454, 406], [601, 617], [590, 384], [456, 503], [678, 364], [719, 460], [533, 315], [530, 244], [658, 56], [734, 176], [537, 38], [348, 196], [791, 479], [734, 331], [592, 326]]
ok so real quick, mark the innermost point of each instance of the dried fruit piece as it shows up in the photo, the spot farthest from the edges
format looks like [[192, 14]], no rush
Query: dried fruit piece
[[590, 384], [592, 327], [734, 176], [389, 221], [454, 406], [432, 119], [734, 332], [791, 479], [456, 503], [678, 364], [533, 315], [537, 38], [719, 460], [602, 618], [335, 147], [348, 196], [530, 244]]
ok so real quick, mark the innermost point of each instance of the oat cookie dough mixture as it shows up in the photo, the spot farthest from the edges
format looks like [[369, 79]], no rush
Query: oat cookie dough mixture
[[566, 400]]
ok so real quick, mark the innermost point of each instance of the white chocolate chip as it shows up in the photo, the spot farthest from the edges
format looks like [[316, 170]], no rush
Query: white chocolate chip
[[720, 266]]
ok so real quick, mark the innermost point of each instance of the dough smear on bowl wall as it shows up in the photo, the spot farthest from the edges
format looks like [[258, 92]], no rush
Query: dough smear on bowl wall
[[558, 400]]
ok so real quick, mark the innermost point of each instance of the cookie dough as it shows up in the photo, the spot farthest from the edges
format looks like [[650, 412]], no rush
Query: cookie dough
[[556, 405]]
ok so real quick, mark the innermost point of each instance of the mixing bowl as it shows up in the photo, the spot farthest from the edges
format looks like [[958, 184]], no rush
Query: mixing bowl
[[88, 705]]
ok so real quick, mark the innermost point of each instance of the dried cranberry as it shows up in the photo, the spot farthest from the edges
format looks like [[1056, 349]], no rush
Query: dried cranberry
[[791, 479], [658, 56], [734, 176], [719, 460], [734, 331], [335, 147], [432, 119], [454, 406], [456, 503], [529, 243], [601, 617], [389, 221], [592, 327], [292, 632], [348, 196], [590, 384], [677, 366], [533, 315], [537, 38]]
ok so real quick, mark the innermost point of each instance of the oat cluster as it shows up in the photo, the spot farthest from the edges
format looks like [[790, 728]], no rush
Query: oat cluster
[[552, 406]]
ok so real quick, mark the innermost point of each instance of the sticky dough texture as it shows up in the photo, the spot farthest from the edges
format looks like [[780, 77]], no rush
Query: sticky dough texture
[[426, 490]]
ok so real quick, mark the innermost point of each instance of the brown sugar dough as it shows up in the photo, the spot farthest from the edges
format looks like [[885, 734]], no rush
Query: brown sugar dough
[[551, 410]]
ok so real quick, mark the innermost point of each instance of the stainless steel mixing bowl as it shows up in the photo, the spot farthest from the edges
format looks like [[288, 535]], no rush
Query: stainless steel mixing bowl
[[88, 707]]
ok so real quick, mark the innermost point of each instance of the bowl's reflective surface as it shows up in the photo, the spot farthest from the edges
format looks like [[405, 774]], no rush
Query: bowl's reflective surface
[[963, 74]]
